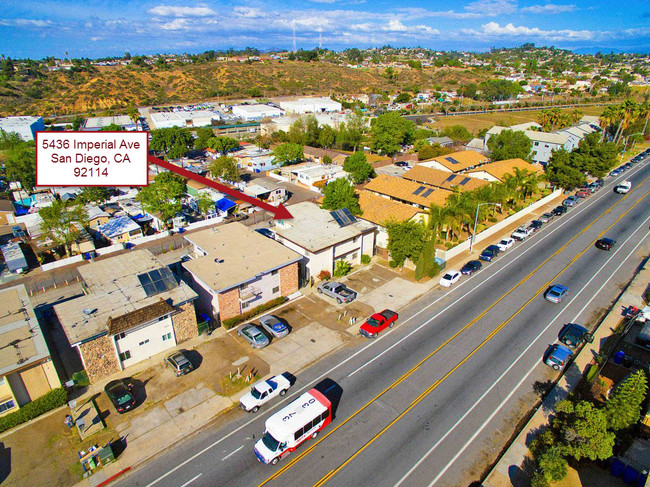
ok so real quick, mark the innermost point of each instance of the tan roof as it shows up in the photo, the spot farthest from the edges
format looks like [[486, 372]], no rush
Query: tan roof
[[235, 255], [138, 317], [464, 160], [443, 179], [195, 184], [379, 210], [499, 169], [405, 190], [6, 206]]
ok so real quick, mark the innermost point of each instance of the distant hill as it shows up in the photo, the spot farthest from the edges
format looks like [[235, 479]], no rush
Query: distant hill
[[114, 87]]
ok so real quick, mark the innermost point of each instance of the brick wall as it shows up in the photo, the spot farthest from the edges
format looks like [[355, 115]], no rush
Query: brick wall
[[184, 322], [100, 358], [229, 306], [289, 279]]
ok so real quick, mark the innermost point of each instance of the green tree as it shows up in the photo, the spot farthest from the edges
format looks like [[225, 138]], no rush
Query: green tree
[[354, 56], [223, 144], [405, 240], [225, 167], [593, 156], [163, 195], [355, 128], [63, 222], [203, 135], [389, 131], [457, 133], [623, 408], [426, 264], [112, 128], [357, 166], [327, 137], [205, 203], [288, 153], [93, 194], [342, 268], [560, 172], [174, 141], [552, 465], [340, 194], [403, 97], [429, 151], [509, 145], [582, 429], [20, 165], [133, 112], [76, 123]]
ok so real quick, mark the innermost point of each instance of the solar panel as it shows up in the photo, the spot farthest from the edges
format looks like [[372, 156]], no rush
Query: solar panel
[[343, 217], [427, 193], [419, 190], [450, 178], [452, 160], [157, 281], [465, 181]]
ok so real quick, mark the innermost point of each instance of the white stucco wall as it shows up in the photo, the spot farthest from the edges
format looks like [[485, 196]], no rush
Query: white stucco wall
[[145, 341]]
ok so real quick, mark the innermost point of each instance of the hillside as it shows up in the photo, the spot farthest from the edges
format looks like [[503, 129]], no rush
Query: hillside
[[113, 88]]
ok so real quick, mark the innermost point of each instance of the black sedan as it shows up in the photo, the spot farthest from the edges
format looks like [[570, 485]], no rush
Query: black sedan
[[605, 243], [559, 210], [536, 225], [471, 267], [120, 392]]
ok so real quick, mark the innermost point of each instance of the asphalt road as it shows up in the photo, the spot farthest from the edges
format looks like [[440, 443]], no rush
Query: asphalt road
[[433, 400]]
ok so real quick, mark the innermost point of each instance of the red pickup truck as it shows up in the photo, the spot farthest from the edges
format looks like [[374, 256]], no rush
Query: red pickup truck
[[377, 323]]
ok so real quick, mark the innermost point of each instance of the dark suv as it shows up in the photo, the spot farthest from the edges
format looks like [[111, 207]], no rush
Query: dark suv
[[572, 335], [178, 362], [559, 210]]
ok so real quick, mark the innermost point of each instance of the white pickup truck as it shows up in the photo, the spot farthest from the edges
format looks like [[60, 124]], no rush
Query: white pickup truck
[[624, 187], [263, 391], [522, 233]]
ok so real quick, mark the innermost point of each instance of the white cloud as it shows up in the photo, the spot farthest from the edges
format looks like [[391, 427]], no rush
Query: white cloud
[[493, 29], [173, 11], [176, 24], [363, 27], [549, 8], [249, 12], [323, 1], [492, 8], [25, 23], [395, 26]]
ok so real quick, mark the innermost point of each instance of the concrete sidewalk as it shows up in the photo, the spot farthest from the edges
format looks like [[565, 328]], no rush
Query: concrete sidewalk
[[511, 469]]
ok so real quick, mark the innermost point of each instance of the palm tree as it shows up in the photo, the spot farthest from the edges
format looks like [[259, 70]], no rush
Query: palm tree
[[629, 111], [607, 118]]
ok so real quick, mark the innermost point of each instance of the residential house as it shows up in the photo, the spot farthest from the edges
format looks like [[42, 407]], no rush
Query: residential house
[[120, 229], [323, 237], [442, 141], [26, 368], [443, 179], [456, 162], [132, 309], [314, 175], [497, 171], [267, 191], [234, 269], [408, 192], [96, 217], [7, 211], [318, 155]]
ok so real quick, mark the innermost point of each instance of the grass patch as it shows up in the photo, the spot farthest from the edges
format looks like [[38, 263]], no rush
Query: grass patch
[[230, 386]]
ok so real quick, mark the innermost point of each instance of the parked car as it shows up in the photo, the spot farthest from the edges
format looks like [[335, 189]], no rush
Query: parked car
[[573, 335], [253, 335], [583, 193], [488, 255], [605, 243], [624, 187], [179, 363], [559, 210], [615, 172], [570, 201], [535, 225], [546, 217], [555, 293], [558, 356], [522, 233], [471, 267], [274, 326], [264, 391], [120, 392], [377, 323], [505, 243], [599, 182], [236, 217], [266, 232], [450, 277], [338, 291]]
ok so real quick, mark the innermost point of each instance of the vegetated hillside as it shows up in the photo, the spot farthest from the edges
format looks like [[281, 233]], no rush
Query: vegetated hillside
[[113, 88]]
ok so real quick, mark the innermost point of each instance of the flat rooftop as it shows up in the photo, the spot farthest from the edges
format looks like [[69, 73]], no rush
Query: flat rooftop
[[315, 229], [114, 290], [21, 338], [235, 255]]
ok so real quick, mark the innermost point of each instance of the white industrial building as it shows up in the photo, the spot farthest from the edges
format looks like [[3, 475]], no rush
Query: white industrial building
[[95, 124], [196, 118], [311, 105], [26, 127], [256, 112]]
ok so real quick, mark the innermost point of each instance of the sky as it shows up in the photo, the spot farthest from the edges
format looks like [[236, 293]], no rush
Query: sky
[[99, 28]]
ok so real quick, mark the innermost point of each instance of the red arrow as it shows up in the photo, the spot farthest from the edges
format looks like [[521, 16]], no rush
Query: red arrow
[[280, 212]]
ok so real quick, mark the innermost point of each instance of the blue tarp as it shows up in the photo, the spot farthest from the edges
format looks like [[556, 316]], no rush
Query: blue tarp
[[225, 204]]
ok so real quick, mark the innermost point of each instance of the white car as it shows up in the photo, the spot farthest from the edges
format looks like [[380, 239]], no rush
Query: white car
[[449, 278], [624, 187], [506, 243]]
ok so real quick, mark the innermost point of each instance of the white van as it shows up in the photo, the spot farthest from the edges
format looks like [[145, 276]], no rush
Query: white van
[[293, 425]]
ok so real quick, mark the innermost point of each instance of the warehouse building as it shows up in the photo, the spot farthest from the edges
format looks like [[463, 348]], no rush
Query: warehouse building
[[311, 105], [25, 127], [256, 112]]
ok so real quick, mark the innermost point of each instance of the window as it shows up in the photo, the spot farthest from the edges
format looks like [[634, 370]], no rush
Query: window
[[144, 342], [536, 144], [167, 336], [119, 336], [324, 415], [298, 434], [274, 273], [5, 406], [276, 289], [126, 355], [244, 305]]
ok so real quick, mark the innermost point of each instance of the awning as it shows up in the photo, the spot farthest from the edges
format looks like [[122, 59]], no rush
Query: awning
[[225, 204]]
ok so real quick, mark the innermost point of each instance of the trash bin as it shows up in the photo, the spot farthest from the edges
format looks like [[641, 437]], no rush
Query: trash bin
[[630, 475], [106, 455], [618, 357], [616, 467]]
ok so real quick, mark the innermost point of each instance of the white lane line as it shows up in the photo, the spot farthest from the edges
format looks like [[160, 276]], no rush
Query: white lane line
[[190, 481], [232, 453], [354, 355], [523, 379]]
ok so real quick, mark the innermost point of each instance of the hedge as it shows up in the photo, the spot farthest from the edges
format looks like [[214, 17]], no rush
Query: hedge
[[51, 400], [232, 322]]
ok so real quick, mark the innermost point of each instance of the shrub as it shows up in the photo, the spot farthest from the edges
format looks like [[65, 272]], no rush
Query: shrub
[[232, 322], [324, 275], [392, 263], [449, 245], [342, 268], [52, 400], [365, 259], [81, 378], [492, 219]]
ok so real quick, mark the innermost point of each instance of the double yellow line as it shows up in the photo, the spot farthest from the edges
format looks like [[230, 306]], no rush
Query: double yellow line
[[433, 386]]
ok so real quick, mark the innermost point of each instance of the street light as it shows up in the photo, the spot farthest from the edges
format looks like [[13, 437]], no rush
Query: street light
[[471, 242]]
